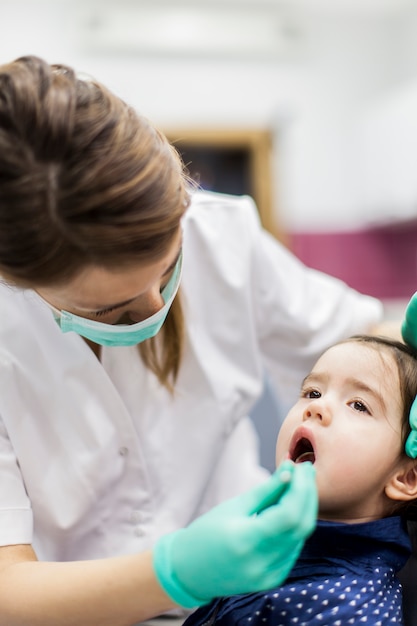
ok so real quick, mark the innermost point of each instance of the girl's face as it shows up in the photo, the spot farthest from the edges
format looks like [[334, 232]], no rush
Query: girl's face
[[348, 423], [116, 296]]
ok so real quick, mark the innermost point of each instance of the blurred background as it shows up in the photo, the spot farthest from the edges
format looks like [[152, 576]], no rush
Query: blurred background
[[310, 106]]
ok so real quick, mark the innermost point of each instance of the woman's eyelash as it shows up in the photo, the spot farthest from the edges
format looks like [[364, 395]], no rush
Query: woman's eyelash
[[99, 313], [105, 311]]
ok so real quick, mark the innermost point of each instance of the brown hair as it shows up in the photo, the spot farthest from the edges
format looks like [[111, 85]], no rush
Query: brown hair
[[84, 179]]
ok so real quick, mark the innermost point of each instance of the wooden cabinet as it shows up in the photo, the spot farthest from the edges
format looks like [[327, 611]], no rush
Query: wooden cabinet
[[236, 161]]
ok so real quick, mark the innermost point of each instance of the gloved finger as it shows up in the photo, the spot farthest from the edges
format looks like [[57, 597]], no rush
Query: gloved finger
[[409, 325], [263, 495], [296, 512]]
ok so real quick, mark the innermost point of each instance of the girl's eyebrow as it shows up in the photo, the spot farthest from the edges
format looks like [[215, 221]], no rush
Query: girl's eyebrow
[[314, 377], [121, 304], [358, 384], [318, 378]]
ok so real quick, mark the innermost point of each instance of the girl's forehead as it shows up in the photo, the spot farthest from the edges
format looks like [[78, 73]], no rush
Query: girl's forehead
[[362, 359], [355, 367]]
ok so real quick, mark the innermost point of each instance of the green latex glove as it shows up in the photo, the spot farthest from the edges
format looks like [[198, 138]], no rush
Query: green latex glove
[[247, 544], [409, 334], [409, 325], [411, 443]]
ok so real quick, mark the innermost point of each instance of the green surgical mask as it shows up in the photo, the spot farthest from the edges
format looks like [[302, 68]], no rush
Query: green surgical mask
[[121, 334]]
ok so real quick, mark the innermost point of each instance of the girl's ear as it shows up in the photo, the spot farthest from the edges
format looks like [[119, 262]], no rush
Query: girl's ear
[[402, 485]]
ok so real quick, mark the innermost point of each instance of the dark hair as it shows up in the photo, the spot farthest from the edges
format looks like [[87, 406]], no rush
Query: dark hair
[[406, 360], [84, 179]]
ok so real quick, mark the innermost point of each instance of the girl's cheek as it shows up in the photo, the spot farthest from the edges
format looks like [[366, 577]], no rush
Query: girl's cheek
[[281, 450]]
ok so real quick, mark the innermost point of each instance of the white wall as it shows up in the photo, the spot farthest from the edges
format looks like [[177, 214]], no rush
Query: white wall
[[315, 105]]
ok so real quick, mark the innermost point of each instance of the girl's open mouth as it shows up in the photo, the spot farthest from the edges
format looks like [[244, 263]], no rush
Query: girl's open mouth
[[302, 450]]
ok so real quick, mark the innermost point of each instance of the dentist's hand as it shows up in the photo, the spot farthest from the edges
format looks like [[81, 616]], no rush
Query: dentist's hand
[[247, 544], [409, 334], [409, 324]]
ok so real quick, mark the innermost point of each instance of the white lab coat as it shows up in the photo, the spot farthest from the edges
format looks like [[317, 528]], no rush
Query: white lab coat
[[97, 459]]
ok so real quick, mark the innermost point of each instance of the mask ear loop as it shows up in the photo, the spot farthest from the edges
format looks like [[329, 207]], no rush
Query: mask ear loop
[[411, 443]]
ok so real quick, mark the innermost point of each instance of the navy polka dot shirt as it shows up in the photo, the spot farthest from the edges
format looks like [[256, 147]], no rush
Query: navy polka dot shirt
[[346, 574]]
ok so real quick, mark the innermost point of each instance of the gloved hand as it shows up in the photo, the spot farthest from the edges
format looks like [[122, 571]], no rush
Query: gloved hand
[[246, 544], [409, 325], [409, 334], [411, 443]]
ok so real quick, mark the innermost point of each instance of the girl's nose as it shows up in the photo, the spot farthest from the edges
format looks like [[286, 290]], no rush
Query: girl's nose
[[317, 410]]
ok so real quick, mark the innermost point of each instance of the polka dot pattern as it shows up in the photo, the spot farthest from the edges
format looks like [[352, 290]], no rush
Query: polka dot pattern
[[331, 602], [346, 575]]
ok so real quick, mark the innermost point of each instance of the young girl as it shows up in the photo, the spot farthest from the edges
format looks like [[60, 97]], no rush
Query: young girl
[[352, 422]]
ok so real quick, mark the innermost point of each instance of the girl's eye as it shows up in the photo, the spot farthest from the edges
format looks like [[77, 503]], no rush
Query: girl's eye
[[312, 393], [357, 405]]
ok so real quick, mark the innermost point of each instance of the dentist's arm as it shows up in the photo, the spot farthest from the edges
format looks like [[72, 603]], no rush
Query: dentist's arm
[[246, 544]]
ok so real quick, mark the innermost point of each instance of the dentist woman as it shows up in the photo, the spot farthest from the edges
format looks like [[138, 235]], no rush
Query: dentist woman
[[136, 319]]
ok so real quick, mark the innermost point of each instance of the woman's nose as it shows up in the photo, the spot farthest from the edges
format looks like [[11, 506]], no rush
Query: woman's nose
[[148, 306], [317, 410]]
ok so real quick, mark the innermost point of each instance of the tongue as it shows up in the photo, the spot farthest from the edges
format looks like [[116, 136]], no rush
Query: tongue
[[306, 456]]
